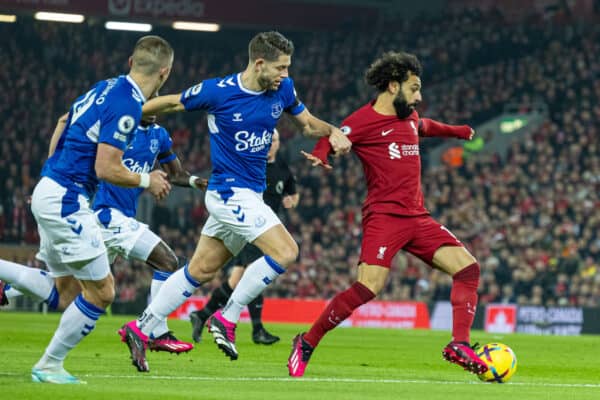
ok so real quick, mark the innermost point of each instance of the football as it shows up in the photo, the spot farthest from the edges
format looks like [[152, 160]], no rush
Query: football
[[501, 360]]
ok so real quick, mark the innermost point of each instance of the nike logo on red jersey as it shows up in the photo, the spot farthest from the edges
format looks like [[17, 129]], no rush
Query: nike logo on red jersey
[[385, 133]]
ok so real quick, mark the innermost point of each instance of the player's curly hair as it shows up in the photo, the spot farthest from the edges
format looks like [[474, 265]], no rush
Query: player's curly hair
[[269, 45], [392, 66]]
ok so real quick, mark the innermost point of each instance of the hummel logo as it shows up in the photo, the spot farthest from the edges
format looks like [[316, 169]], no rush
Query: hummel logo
[[237, 212], [75, 226], [228, 82], [385, 133]]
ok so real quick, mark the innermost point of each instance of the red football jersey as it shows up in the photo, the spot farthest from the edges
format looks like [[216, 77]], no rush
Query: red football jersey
[[388, 148]]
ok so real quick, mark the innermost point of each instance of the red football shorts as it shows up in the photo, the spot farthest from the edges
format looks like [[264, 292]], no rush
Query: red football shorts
[[385, 234]]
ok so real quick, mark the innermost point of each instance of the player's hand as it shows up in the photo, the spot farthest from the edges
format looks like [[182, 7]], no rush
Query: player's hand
[[339, 142], [201, 183], [159, 185], [472, 134], [288, 202], [315, 161]]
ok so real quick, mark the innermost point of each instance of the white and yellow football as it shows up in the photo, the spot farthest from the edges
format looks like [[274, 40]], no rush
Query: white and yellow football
[[500, 359]]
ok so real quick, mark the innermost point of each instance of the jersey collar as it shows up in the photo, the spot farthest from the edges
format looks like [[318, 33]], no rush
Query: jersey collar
[[136, 88], [243, 89]]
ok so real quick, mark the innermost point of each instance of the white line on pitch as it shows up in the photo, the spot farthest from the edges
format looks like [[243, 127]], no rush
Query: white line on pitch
[[317, 380]]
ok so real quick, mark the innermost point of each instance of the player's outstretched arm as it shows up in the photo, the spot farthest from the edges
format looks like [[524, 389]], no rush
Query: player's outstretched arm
[[163, 105], [314, 127], [58, 130], [430, 128], [320, 154], [316, 161], [109, 168], [178, 176]]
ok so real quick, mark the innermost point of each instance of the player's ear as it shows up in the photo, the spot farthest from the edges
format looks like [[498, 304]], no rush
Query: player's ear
[[258, 64], [393, 87], [163, 74], [130, 62], [164, 71]]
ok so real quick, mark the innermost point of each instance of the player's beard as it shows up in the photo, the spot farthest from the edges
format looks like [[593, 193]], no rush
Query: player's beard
[[403, 109], [266, 83]]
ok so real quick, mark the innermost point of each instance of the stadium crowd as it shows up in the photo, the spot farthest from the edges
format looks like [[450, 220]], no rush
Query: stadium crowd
[[531, 218]]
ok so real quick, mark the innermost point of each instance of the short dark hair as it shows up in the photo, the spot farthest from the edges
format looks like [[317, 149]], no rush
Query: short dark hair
[[151, 53], [392, 66], [269, 45]]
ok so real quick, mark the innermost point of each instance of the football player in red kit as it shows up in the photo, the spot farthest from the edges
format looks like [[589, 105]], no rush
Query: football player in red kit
[[385, 136]]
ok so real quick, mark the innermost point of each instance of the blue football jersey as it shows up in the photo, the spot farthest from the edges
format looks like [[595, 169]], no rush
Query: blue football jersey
[[108, 113], [140, 156], [241, 124]]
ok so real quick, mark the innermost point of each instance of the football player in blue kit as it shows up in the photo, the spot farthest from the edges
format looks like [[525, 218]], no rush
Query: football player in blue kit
[[243, 110], [280, 191], [99, 127], [115, 208]]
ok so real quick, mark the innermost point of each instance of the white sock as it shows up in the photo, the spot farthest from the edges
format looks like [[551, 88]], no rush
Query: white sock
[[173, 293], [258, 275], [158, 279], [77, 321], [29, 281], [10, 292]]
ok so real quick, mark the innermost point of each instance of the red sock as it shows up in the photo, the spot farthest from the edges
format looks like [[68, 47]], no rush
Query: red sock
[[464, 302], [340, 308]]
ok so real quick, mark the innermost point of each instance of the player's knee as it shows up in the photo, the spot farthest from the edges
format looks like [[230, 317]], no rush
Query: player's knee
[[286, 254], [101, 296], [374, 283], [469, 272], [373, 286], [106, 295], [163, 258], [201, 270]]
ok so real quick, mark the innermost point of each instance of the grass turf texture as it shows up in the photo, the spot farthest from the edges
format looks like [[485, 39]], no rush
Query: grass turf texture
[[350, 363]]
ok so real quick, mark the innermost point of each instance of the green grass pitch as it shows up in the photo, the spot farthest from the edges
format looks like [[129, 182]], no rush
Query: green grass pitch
[[351, 363]]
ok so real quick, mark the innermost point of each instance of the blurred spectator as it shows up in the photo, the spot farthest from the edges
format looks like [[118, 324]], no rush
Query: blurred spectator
[[531, 218]]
